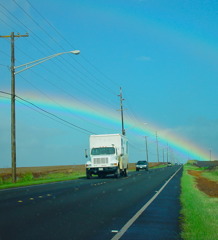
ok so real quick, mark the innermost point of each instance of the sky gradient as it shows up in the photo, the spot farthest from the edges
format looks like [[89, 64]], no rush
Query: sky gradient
[[163, 54]]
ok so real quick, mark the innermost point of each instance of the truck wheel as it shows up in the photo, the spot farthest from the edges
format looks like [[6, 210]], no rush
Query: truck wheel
[[88, 175], [117, 173], [101, 175], [126, 172]]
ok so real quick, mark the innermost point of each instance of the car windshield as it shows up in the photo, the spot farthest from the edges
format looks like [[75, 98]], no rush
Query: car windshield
[[141, 162], [103, 151]]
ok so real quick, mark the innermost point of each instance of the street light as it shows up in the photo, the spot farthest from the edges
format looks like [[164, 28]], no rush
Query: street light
[[39, 61], [157, 148], [210, 154], [146, 143], [13, 73]]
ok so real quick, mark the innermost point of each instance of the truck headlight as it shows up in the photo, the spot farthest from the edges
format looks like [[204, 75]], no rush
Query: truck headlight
[[114, 164]]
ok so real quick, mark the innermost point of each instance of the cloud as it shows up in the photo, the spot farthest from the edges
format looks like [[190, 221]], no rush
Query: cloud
[[202, 132]]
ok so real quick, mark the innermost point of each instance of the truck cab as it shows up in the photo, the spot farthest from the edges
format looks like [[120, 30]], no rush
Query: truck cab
[[108, 155]]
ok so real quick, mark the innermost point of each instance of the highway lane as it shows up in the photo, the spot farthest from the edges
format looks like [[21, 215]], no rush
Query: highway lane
[[79, 209]]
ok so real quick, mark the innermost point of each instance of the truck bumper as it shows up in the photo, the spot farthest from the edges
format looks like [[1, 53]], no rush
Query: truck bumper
[[103, 170]]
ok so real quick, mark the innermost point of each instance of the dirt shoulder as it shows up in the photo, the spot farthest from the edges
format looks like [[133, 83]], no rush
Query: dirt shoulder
[[205, 185]]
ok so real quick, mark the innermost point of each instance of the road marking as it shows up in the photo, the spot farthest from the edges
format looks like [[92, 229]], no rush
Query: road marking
[[114, 231], [31, 199], [136, 216], [49, 195], [40, 196], [20, 201]]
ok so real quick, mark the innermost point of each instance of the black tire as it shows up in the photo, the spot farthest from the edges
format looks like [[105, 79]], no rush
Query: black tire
[[101, 175], [117, 173], [88, 175], [126, 172]]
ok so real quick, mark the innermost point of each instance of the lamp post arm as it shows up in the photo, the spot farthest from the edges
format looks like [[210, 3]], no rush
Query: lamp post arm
[[41, 60], [37, 62], [33, 65]]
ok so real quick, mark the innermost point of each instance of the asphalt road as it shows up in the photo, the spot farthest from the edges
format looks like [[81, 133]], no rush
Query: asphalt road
[[79, 209]]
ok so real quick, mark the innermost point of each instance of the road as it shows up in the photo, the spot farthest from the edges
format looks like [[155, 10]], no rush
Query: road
[[79, 209]]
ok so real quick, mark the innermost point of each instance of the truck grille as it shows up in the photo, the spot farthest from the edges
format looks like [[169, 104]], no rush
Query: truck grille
[[100, 160]]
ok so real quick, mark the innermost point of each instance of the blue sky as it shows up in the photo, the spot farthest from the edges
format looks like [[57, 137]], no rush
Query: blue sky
[[162, 53]]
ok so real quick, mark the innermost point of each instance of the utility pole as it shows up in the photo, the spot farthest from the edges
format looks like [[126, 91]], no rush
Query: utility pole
[[13, 96], [146, 144], [163, 154], [121, 109], [167, 152], [157, 148]]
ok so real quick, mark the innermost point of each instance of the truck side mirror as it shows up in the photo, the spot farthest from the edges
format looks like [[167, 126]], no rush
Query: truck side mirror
[[86, 154]]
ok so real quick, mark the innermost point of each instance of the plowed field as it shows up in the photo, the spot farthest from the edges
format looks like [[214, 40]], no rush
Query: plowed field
[[205, 185]]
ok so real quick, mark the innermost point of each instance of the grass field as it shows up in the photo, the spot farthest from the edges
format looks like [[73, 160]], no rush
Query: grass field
[[39, 175], [212, 175], [199, 211]]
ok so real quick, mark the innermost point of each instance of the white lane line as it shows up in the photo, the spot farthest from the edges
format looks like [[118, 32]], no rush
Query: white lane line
[[134, 218]]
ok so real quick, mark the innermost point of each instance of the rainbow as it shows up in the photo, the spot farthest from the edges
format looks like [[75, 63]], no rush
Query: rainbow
[[104, 117]]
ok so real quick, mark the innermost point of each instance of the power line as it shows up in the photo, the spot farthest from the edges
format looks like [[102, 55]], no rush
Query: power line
[[58, 104], [98, 82], [82, 82], [40, 112], [51, 114], [70, 43]]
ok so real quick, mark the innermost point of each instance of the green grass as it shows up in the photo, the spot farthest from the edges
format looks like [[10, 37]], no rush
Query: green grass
[[28, 179], [159, 166], [199, 212], [212, 174]]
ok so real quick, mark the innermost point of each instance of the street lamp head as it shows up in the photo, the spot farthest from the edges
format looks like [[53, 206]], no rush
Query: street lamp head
[[76, 52]]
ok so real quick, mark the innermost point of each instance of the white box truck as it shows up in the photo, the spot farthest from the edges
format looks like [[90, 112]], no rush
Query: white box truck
[[108, 155]]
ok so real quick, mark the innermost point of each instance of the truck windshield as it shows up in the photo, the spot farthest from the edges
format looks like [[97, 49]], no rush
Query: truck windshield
[[103, 151]]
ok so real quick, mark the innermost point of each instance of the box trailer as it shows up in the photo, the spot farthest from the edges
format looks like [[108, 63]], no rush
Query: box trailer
[[108, 155]]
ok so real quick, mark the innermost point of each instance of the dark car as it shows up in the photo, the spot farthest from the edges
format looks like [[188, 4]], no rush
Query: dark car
[[169, 164], [140, 165]]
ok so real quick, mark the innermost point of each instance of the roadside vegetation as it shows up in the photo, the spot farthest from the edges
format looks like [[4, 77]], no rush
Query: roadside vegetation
[[199, 211], [29, 179], [40, 175], [162, 165], [212, 175]]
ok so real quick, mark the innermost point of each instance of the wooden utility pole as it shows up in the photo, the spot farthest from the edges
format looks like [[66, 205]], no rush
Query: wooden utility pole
[[13, 96], [157, 148], [146, 145], [121, 109]]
